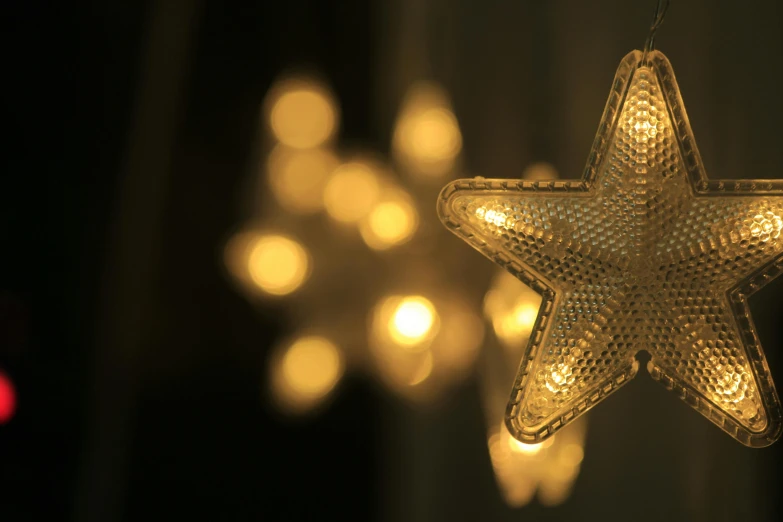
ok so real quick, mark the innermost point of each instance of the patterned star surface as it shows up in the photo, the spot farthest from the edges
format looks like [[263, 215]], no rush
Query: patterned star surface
[[643, 253]]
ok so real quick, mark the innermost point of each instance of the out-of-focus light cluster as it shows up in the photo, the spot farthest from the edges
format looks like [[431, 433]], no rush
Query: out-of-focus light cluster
[[512, 308], [419, 346], [352, 191], [7, 398], [298, 177], [417, 343], [391, 222], [304, 372], [427, 139], [547, 469]]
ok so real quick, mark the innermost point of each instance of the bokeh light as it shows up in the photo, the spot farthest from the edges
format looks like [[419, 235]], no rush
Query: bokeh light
[[305, 372], [298, 177], [352, 191], [540, 171], [273, 264], [7, 399], [412, 321], [427, 138], [548, 468], [391, 222], [278, 264], [512, 308], [302, 113], [421, 346]]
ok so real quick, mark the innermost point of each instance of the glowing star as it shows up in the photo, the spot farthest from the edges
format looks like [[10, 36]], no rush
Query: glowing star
[[643, 253]]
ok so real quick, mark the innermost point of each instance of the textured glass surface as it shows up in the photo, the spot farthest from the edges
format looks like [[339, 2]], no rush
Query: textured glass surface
[[643, 253]]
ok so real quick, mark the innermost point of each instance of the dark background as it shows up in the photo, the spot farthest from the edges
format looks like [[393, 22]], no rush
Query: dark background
[[129, 127]]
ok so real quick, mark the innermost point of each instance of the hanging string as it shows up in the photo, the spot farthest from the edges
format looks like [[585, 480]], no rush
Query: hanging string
[[660, 12]]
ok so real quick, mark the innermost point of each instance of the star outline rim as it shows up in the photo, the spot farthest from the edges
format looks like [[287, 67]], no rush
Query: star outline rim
[[701, 186]]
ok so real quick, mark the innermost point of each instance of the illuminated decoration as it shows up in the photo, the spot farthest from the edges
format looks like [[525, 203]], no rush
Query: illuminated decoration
[[338, 280], [521, 468], [419, 346], [298, 177], [427, 139], [352, 191], [643, 253], [7, 399], [304, 372], [273, 264], [391, 222], [302, 113]]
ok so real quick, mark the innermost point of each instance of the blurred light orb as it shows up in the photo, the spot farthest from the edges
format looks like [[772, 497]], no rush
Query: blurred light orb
[[423, 371], [351, 191], [298, 177], [303, 113], [391, 222], [521, 447], [278, 265], [540, 171], [7, 399], [512, 308], [412, 321], [306, 372], [401, 332], [427, 137]]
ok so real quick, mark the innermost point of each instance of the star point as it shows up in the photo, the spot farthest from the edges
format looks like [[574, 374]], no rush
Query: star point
[[643, 253]]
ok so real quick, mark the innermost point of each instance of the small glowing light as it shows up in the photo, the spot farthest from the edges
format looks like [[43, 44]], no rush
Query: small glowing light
[[427, 137], [540, 171], [351, 191], [766, 226], [412, 321], [499, 219], [298, 177], [7, 399], [303, 113], [278, 265], [306, 372], [391, 222]]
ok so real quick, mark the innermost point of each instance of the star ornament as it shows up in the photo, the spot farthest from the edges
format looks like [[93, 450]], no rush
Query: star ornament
[[643, 253]]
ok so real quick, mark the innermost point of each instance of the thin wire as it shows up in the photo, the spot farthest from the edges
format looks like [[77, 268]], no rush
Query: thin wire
[[660, 12]]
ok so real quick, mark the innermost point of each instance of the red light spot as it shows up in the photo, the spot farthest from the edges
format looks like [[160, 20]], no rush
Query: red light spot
[[7, 399]]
